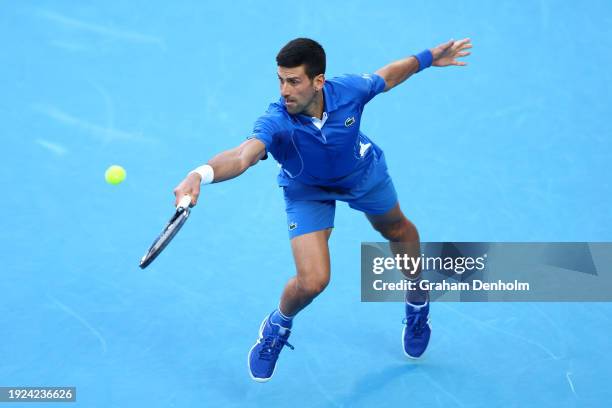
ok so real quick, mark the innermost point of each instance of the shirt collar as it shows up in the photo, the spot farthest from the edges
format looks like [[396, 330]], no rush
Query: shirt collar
[[319, 123]]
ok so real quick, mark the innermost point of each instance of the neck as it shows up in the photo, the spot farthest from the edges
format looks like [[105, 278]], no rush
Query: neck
[[317, 106]]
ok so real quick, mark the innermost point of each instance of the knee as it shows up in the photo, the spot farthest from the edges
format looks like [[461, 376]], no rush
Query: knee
[[312, 286], [399, 231]]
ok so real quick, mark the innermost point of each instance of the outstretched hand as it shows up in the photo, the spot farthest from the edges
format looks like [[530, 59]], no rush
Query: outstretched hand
[[446, 54]]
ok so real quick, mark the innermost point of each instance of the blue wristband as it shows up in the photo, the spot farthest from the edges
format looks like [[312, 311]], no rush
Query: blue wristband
[[425, 59]]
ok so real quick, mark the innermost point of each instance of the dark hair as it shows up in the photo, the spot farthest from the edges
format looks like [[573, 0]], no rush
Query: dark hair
[[303, 51]]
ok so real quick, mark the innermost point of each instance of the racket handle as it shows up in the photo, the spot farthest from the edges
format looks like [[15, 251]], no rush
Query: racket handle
[[184, 202]]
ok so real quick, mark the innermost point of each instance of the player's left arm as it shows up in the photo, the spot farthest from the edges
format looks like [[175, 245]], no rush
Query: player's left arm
[[443, 55]]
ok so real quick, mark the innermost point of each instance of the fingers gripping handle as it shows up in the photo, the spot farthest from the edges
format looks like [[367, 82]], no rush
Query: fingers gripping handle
[[184, 202]]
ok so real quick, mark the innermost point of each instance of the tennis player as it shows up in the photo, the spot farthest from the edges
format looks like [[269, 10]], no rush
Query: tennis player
[[313, 132]]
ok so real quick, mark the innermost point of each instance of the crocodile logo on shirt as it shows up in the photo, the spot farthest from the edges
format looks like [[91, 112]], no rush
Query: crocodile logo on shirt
[[349, 121]]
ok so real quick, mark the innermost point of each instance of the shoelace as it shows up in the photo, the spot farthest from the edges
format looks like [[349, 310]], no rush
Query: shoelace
[[272, 347], [416, 323]]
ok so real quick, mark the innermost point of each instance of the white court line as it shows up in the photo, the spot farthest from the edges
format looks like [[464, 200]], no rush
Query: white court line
[[102, 132], [69, 46], [84, 322], [571, 384], [488, 327], [103, 30], [53, 147]]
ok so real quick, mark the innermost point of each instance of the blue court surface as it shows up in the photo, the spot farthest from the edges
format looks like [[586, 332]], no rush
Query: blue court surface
[[514, 147]]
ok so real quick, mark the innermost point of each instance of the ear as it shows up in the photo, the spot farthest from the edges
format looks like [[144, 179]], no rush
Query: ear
[[318, 81]]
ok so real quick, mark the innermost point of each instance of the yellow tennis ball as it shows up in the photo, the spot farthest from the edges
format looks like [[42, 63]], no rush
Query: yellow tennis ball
[[115, 174]]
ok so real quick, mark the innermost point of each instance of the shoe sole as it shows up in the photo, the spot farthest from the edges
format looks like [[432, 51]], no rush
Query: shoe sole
[[257, 379], [405, 353]]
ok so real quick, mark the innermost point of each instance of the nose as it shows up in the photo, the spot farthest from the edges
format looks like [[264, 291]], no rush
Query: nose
[[284, 89]]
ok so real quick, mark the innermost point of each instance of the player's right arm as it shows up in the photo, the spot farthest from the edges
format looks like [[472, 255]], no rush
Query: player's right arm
[[226, 165]]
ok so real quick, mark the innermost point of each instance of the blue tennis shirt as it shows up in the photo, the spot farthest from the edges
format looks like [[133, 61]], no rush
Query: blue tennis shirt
[[335, 154]]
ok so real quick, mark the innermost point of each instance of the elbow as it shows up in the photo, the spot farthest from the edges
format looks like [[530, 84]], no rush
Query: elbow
[[387, 75], [389, 85], [248, 154], [245, 162], [389, 82]]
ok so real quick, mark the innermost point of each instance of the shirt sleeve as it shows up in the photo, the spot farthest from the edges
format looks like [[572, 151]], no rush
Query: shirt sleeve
[[365, 86], [266, 130]]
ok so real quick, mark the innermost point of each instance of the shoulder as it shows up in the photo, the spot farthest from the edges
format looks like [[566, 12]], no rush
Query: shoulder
[[356, 86], [348, 81], [276, 115], [274, 124], [355, 83]]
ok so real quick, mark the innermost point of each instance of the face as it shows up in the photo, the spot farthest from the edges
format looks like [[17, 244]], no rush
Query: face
[[298, 91]]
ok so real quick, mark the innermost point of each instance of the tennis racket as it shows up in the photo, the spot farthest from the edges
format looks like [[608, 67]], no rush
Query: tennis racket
[[170, 230]]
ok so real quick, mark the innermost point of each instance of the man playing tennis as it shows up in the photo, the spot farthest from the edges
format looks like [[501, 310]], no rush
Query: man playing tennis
[[313, 131]]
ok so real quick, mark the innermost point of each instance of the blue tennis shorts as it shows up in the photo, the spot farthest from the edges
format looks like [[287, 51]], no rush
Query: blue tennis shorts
[[312, 208]]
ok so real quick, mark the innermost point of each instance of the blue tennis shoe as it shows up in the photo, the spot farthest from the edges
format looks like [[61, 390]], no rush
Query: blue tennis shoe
[[264, 354], [416, 333]]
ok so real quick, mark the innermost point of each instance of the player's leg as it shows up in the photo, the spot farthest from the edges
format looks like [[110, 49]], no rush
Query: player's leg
[[377, 198], [403, 239], [311, 256], [310, 224]]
